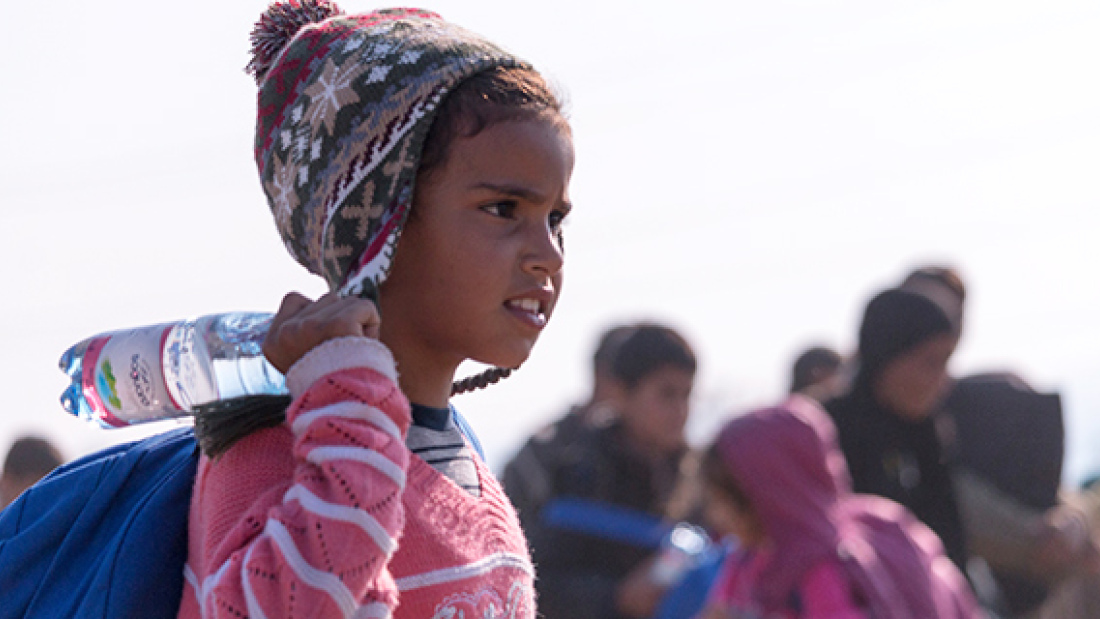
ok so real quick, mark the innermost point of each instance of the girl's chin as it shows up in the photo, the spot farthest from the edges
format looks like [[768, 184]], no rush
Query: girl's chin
[[506, 359]]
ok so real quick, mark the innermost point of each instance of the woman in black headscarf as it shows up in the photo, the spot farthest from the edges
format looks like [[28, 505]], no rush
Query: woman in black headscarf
[[885, 422]]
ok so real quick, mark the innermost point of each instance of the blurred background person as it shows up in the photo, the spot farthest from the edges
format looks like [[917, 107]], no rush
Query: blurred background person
[[528, 476], [1026, 534], [1078, 596], [595, 542], [941, 283], [29, 459], [816, 373], [1033, 535], [887, 421]]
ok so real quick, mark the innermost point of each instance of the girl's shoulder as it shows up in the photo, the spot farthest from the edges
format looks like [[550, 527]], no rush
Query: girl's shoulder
[[735, 578], [827, 590]]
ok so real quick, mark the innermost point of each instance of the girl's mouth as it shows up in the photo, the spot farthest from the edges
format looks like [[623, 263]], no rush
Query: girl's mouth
[[528, 309]]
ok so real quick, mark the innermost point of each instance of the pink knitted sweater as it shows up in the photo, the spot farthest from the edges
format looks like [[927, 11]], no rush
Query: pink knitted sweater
[[330, 515]]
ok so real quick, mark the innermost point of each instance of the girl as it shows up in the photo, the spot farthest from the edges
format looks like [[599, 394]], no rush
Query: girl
[[808, 547], [889, 421], [354, 506]]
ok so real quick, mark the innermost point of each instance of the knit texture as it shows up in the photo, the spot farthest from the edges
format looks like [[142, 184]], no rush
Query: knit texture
[[329, 515], [342, 116]]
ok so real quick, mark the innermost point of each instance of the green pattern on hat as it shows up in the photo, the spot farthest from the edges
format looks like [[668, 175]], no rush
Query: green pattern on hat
[[343, 113]]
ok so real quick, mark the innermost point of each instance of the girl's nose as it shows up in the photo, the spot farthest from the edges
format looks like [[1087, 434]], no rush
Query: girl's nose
[[545, 253]]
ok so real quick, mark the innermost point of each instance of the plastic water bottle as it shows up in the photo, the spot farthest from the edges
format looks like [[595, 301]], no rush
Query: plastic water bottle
[[163, 371], [680, 551]]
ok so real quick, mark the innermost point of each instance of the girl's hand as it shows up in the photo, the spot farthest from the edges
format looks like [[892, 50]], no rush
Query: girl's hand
[[301, 324]]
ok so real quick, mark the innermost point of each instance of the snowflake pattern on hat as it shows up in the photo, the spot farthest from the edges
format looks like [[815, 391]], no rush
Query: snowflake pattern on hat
[[343, 113]]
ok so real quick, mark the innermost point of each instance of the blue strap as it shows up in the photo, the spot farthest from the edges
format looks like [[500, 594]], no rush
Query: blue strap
[[686, 598], [467, 431], [606, 521]]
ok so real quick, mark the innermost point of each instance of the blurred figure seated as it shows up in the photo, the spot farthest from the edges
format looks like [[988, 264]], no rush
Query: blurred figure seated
[[1028, 531]]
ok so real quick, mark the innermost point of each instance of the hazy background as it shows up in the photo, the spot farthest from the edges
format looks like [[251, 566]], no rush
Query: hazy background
[[749, 172]]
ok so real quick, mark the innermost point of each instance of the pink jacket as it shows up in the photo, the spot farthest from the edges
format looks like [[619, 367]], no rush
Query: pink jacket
[[330, 515], [824, 591], [787, 462]]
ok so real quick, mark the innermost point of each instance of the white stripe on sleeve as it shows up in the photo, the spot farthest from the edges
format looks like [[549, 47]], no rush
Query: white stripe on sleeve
[[374, 610], [325, 581], [314, 504], [348, 410], [254, 609], [382, 464], [470, 570]]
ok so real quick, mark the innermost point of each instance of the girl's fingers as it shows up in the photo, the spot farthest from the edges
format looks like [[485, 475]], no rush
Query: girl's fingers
[[292, 303], [301, 324]]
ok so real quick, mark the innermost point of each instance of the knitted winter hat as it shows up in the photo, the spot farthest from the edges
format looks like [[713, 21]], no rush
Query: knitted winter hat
[[345, 103], [895, 322]]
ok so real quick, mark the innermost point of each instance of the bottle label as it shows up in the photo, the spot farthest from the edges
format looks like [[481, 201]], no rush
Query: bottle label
[[96, 380], [186, 367], [127, 383]]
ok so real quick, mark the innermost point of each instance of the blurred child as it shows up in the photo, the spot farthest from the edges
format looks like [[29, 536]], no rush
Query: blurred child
[[374, 128], [817, 373], [808, 547], [632, 471]]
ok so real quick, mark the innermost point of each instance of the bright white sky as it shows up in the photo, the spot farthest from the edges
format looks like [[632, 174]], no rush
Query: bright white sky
[[749, 172]]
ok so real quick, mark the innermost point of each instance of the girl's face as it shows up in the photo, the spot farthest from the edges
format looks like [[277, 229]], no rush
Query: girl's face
[[478, 269], [728, 517], [914, 383]]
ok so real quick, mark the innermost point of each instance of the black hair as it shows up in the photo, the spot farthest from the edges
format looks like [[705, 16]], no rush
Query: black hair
[[945, 276], [809, 366], [895, 322], [496, 95], [651, 347], [31, 456], [716, 473], [607, 349]]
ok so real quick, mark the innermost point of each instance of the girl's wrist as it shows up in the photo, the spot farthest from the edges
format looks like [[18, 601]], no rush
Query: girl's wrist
[[338, 354]]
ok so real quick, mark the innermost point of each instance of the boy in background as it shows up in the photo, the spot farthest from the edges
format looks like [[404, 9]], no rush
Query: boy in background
[[590, 541]]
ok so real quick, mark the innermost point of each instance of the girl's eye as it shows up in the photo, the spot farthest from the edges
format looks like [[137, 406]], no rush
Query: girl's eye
[[505, 209], [556, 220]]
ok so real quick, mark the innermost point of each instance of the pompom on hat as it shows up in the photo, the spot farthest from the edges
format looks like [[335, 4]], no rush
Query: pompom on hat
[[345, 103]]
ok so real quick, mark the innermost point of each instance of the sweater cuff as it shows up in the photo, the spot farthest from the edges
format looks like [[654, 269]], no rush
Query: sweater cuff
[[337, 354]]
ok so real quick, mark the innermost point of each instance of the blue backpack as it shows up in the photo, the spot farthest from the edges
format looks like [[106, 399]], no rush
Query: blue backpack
[[106, 535], [103, 536]]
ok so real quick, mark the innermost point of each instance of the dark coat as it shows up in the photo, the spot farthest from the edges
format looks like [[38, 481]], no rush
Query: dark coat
[[901, 460], [578, 572]]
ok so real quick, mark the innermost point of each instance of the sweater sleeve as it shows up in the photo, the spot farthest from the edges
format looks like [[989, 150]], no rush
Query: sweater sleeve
[[301, 520]]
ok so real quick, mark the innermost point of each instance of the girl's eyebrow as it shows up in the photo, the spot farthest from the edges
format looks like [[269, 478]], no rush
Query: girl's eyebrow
[[511, 189]]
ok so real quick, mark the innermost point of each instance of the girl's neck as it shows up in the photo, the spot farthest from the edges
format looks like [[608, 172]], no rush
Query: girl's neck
[[424, 383], [424, 388], [425, 378]]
